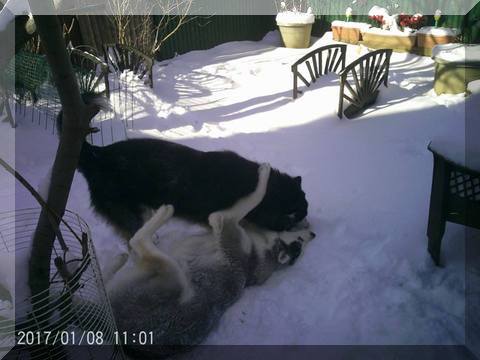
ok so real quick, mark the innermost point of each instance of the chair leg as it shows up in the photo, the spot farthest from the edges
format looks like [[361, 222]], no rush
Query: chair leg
[[438, 208], [435, 243]]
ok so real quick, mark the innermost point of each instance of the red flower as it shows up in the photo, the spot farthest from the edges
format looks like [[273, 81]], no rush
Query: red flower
[[411, 21], [378, 19]]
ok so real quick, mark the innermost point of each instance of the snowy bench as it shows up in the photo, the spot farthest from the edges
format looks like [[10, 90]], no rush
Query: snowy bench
[[362, 78], [455, 195], [323, 60]]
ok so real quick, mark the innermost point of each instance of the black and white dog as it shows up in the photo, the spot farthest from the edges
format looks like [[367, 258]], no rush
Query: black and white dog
[[180, 296], [130, 177]]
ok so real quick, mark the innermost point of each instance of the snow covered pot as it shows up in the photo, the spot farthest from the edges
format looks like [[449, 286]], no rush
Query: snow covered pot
[[295, 28]]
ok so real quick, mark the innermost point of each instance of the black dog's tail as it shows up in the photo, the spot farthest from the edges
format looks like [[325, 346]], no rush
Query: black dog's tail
[[87, 150]]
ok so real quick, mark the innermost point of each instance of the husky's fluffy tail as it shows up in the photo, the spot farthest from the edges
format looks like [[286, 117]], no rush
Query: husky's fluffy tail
[[88, 98], [88, 150]]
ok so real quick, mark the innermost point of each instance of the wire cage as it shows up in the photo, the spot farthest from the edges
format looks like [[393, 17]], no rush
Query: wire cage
[[75, 309]]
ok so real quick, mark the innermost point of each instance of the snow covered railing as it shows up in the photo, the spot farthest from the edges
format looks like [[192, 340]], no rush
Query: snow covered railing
[[373, 69], [323, 60]]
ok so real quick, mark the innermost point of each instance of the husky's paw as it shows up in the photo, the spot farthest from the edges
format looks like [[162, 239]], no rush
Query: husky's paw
[[290, 252], [303, 236], [164, 212], [216, 222], [169, 210], [264, 171]]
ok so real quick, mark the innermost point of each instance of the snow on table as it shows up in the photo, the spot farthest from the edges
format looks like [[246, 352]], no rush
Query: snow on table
[[458, 152], [367, 277]]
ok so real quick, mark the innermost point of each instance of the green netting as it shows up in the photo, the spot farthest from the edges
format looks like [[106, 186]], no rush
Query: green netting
[[28, 71], [33, 79]]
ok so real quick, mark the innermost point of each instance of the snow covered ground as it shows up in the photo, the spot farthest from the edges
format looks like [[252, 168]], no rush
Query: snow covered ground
[[367, 277]]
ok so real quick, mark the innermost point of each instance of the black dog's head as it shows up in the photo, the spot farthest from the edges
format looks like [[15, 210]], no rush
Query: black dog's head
[[284, 204]]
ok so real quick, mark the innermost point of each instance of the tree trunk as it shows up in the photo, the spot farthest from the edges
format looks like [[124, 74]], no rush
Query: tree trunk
[[76, 118]]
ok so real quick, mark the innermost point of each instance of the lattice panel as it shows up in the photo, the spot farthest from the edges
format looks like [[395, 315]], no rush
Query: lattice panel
[[466, 186]]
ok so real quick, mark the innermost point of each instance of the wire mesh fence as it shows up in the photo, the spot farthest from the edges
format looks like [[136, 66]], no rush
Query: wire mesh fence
[[36, 98], [75, 309]]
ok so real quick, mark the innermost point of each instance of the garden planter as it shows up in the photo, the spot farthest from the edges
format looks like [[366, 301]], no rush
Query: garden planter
[[428, 37], [455, 66], [385, 39], [348, 32], [295, 29]]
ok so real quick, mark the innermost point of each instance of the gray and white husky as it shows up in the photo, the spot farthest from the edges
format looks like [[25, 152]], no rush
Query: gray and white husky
[[180, 296]]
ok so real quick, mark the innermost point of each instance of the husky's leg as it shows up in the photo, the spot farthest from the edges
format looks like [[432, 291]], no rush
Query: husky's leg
[[112, 268], [152, 259], [225, 223], [303, 235], [243, 206]]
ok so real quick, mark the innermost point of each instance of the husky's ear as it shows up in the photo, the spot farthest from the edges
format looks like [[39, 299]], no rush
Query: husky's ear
[[298, 180]]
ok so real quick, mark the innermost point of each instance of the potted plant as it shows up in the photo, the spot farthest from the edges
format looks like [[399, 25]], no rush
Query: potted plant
[[390, 34], [295, 24]]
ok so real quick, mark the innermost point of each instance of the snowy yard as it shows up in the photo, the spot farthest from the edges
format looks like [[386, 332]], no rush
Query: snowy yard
[[367, 277]]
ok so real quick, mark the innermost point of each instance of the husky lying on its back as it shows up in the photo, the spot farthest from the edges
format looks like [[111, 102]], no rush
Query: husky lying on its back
[[180, 297], [129, 177]]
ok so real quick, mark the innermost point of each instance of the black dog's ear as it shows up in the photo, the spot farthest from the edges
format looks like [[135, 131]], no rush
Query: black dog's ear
[[298, 180]]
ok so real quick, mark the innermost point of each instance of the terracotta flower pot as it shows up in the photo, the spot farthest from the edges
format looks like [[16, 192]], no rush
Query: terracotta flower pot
[[296, 36], [295, 28]]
